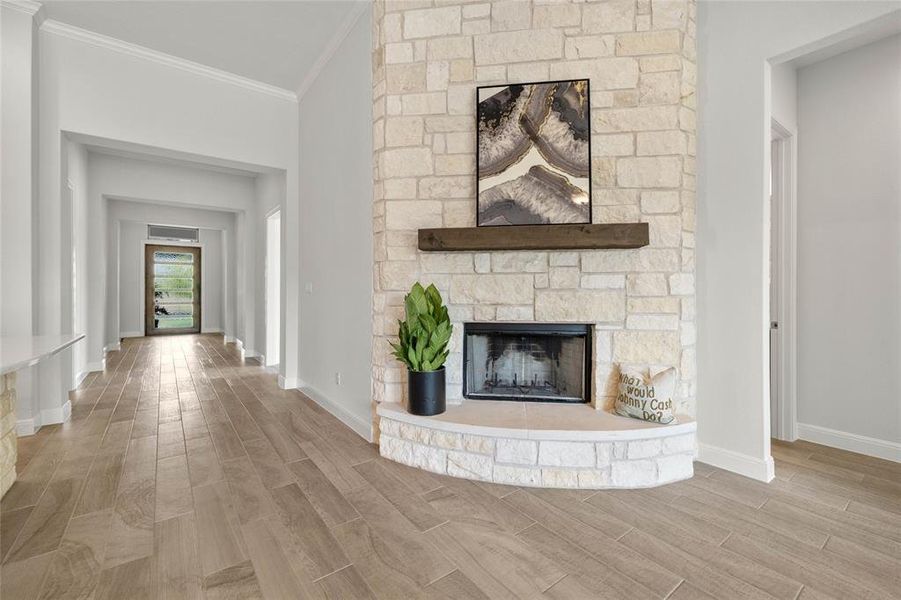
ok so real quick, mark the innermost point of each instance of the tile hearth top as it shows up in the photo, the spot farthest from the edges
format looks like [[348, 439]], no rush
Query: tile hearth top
[[538, 421]]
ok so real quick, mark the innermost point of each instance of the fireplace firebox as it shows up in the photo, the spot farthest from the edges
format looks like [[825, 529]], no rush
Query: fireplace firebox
[[527, 362]]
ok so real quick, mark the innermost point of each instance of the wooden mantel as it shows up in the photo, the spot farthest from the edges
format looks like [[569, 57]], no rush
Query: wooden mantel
[[535, 237]]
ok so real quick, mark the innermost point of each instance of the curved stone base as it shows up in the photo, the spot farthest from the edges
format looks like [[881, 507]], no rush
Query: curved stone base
[[541, 445]]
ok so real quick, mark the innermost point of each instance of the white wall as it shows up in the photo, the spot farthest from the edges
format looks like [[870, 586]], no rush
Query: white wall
[[90, 88], [169, 194], [785, 96], [132, 238], [18, 167], [849, 245], [270, 192], [174, 183], [735, 42], [76, 238], [336, 231]]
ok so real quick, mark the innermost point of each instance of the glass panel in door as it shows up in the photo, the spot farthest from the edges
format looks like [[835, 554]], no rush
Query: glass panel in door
[[172, 281]]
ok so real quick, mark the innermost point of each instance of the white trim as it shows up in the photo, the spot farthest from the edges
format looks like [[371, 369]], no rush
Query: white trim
[[60, 414], [273, 346], [211, 330], [131, 334], [25, 427], [97, 365], [109, 43], [362, 427], [48, 416], [79, 378], [229, 339], [112, 347], [290, 383], [333, 44], [851, 442], [743, 464], [786, 416], [29, 7]]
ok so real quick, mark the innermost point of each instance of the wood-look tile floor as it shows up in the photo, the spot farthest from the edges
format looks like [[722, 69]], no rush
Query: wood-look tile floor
[[186, 473]]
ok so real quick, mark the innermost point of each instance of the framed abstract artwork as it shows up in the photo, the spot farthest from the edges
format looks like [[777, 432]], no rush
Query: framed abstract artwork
[[533, 153]]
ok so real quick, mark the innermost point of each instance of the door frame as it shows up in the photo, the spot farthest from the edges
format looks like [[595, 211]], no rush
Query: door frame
[[198, 280], [784, 270], [267, 274]]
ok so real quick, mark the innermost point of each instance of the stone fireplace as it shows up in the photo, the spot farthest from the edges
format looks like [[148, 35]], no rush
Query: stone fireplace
[[428, 59], [528, 362], [638, 305]]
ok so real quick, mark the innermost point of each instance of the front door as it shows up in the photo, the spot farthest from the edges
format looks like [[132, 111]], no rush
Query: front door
[[172, 290]]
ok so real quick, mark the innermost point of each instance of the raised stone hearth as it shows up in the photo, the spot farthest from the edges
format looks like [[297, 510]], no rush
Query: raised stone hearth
[[539, 445]]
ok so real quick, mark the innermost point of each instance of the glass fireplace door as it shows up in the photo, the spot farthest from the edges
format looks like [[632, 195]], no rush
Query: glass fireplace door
[[172, 289], [538, 362]]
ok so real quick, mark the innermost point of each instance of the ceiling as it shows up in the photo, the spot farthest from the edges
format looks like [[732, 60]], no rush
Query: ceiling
[[275, 42]]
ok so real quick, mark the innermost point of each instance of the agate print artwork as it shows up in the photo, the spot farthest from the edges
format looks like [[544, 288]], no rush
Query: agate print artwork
[[533, 154]]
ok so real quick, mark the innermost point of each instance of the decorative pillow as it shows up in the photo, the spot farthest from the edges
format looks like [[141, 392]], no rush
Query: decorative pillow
[[646, 397]]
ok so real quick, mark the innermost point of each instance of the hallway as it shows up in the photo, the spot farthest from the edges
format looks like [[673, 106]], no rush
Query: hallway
[[185, 473]]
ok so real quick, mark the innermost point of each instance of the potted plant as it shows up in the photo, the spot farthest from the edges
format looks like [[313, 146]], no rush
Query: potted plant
[[422, 346]]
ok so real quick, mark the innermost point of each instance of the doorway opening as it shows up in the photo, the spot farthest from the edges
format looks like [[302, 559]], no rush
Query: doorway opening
[[783, 286], [273, 287], [172, 290]]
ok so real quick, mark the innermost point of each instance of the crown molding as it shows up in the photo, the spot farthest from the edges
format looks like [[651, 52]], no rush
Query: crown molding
[[29, 7], [334, 43], [109, 43]]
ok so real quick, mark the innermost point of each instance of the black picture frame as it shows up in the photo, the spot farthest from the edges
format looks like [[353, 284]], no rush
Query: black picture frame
[[478, 152]]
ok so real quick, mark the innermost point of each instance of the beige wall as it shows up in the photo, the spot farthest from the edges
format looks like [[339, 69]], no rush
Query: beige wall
[[639, 55]]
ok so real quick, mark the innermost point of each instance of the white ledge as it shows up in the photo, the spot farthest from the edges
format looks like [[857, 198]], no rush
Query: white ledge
[[538, 421], [24, 351]]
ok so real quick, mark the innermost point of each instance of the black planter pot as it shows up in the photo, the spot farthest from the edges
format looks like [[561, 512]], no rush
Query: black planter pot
[[425, 392]]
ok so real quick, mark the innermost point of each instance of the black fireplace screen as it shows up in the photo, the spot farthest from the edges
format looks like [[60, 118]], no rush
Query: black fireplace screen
[[527, 362]]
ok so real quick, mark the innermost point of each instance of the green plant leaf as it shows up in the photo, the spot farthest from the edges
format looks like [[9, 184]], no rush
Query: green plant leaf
[[425, 331]]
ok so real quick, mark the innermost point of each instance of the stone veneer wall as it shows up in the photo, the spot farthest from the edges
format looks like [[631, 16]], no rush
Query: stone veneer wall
[[7, 431], [648, 458], [428, 58]]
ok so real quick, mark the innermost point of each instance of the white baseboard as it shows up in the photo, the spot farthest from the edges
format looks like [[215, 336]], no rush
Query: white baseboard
[[112, 347], [743, 464], [79, 378], [48, 416], [60, 414], [99, 365], [362, 427], [131, 334], [850, 442], [26, 427], [230, 339], [290, 383]]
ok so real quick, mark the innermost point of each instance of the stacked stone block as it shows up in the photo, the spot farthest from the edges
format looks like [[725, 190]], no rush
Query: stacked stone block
[[7, 431], [428, 58], [663, 457]]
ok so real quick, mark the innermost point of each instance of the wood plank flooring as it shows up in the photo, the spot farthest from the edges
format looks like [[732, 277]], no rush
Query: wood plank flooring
[[186, 473]]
